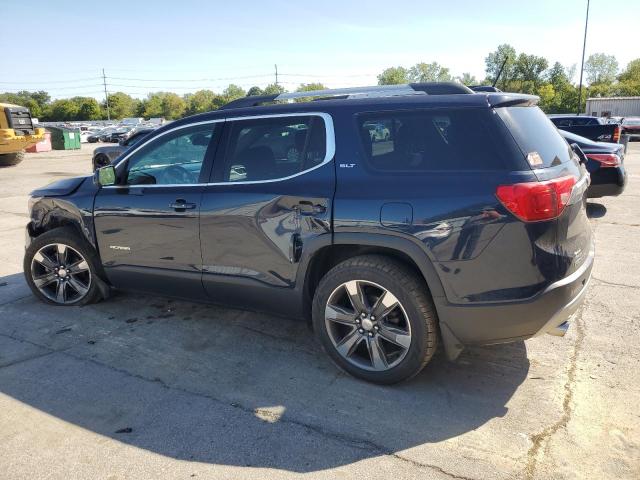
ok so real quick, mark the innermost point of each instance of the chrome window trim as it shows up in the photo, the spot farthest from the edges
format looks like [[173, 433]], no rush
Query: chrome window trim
[[329, 153]]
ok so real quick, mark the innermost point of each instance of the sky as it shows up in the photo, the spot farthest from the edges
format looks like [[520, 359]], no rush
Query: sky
[[186, 45]]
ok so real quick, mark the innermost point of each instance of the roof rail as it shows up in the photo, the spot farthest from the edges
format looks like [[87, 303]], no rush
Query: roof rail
[[376, 91]]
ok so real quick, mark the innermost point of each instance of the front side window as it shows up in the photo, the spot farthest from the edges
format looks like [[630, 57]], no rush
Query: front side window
[[174, 158], [429, 141], [274, 147]]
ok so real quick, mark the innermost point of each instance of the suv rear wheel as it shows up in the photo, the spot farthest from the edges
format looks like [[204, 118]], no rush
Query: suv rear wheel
[[375, 319], [61, 268]]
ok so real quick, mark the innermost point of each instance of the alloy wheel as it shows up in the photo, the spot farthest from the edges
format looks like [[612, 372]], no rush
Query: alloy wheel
[[367, 325], [61, 273]]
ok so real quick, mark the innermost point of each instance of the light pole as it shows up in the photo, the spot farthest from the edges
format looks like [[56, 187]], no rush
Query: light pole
[[584, 46]]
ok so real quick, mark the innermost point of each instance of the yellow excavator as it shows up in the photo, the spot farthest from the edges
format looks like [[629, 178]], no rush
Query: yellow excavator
[[16, 133]]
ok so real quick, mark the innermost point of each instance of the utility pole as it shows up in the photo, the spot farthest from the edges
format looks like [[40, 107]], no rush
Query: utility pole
[[276, 74], [584, 46], [106, 96]]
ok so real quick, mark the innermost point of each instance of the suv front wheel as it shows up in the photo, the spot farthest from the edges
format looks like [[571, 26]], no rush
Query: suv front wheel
[[375, 319], [61, 268]]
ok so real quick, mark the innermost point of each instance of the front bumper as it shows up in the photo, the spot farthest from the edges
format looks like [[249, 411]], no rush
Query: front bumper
[[547, 312]]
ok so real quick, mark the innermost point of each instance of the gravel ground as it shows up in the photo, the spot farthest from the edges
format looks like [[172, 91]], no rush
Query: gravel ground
[[148, 387]]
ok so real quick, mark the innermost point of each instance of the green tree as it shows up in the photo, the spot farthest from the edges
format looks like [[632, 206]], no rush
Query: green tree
[[233, 92], [493, 63], [253, 91], [88, 108], [393, 76], [274, 89], [199, 102], [467, 79], [529, 68], [429, 72], [557, 75], [601, 68], [121, 105], [632, 72], [164, 104], [309, 87], [63, 110]]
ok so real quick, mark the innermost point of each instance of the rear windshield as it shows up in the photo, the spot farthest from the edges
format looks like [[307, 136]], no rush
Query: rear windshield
[[536, 136]]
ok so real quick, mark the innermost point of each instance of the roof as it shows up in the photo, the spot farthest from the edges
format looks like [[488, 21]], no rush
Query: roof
[[363, 99]]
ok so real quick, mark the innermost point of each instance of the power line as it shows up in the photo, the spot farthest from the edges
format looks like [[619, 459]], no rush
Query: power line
[[53, 81]]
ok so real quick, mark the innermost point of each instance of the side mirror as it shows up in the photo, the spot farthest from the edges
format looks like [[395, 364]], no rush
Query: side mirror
[[106, 176]]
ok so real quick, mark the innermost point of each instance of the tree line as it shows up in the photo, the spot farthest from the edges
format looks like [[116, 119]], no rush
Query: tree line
[[522, 73]]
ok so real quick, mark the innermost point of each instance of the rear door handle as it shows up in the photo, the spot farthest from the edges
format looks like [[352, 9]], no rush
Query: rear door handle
[[180, 205]]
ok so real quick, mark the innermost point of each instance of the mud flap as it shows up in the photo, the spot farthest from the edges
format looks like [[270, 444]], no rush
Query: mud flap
[[452, 346]]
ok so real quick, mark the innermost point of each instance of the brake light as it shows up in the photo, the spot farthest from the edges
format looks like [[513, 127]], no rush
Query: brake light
[[616, 134], [535, 201], [605, 159]]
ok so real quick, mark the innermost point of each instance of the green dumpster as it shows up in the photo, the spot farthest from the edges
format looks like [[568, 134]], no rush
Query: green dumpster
[[64, 138]]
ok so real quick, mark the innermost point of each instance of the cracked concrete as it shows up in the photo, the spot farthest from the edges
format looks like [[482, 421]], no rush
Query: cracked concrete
[[143, 387]]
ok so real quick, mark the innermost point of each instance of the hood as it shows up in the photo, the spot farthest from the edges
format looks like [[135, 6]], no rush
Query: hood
[[60, 188]]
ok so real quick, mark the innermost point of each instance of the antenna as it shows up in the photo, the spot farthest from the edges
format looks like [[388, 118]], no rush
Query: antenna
[[500, 71]]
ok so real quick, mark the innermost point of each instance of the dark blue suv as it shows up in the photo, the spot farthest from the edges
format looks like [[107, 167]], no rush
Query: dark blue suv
[[393, 217]]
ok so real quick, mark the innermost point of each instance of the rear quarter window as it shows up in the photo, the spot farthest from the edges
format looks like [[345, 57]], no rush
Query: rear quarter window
[[534, 133], [430, 140]]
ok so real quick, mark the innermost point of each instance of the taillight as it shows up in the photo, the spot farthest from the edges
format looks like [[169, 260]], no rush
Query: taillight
[[535, 201], [616, 134], [605, 159]]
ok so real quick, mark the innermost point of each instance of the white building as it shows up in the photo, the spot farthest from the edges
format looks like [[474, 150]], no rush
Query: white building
[[613, 107]]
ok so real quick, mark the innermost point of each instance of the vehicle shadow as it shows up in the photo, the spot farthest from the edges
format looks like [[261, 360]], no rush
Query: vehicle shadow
[[596, 210], [208, 384]]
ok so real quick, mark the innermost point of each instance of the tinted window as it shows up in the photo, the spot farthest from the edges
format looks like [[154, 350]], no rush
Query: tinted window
[[174, 158], [535, 134], [430, 140], [272, 148], [135, 138]]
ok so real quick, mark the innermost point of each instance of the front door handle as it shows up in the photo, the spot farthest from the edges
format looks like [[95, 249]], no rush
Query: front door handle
[[180, 205]]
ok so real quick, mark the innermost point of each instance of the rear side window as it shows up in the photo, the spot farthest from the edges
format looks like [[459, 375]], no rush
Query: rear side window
[[274, 147], [536, 136], [430, 140]]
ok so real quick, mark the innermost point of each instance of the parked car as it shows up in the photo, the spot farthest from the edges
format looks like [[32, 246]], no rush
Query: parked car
[[593, 128], [103, 156], [100, 134], [467, 227], [605, 163], [114, 136], [631, 126]]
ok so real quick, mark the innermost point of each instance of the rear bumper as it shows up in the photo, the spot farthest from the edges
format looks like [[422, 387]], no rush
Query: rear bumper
[[488, 324], [607, 182]]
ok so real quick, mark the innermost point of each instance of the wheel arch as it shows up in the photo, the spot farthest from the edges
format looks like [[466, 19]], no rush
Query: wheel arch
[[348, 245], [49, 213]]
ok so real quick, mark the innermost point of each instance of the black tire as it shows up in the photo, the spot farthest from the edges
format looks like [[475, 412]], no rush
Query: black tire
[[10, 159], [413, 295], [100, 160], [71, 238]]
